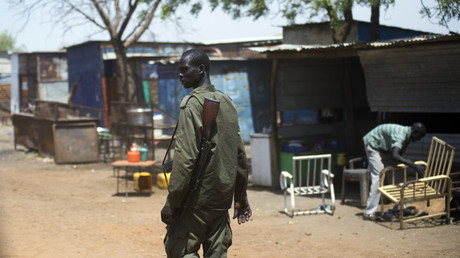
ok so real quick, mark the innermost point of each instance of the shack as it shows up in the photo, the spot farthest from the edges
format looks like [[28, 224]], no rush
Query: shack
[[240, 72], [318, 95], [5, 86], [246, 81], [416, 79], [42, 116], [38, 76], [92, 72]]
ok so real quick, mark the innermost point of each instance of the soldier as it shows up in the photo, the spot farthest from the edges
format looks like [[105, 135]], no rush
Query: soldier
[[206, 220]]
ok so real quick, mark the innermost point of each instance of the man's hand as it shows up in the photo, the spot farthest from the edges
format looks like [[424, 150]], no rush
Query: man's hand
[[167, 215], [242, 211], [420, 170]]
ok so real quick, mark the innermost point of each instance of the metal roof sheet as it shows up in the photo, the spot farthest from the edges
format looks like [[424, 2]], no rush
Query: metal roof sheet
[[357, 45], [243, 40], [408, 41], [297, 48]]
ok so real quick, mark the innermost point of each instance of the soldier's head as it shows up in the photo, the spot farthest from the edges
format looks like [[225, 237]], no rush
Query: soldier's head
[[194, 68], [418, 130]]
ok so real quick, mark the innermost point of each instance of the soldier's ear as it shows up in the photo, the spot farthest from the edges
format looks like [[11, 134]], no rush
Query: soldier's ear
[[201, 67]]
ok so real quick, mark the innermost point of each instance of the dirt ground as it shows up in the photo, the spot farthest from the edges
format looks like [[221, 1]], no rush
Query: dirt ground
[[49, 210]]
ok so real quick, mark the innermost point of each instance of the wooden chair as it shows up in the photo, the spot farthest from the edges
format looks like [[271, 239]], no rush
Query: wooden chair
[[311, 175], [435, 184]]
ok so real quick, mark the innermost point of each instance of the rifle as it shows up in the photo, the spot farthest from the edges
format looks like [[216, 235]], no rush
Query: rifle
[[210, 110]]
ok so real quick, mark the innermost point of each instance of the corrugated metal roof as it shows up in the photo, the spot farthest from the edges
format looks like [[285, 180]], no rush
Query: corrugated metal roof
[[407, 41], [244, 40], [297, 48], [356, 45], [173, 60]]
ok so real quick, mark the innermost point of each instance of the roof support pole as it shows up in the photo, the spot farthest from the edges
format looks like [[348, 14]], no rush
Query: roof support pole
[[275, 172]]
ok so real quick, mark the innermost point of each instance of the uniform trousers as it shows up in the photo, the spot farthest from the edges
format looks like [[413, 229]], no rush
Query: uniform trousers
[[211, 229]]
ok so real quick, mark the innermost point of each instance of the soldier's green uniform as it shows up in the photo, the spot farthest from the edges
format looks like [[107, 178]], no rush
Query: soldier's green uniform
[[207, 220]]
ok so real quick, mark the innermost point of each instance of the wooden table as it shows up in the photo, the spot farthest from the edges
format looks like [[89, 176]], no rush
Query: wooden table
[[124, 164]]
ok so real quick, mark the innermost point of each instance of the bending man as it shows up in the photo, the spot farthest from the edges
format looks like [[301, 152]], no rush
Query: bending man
[[384, 146]]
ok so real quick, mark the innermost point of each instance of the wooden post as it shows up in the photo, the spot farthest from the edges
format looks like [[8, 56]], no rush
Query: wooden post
[[275, 171], [348, 89]]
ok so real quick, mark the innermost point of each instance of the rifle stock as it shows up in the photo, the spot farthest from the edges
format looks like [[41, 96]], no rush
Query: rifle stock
[[210, 110]]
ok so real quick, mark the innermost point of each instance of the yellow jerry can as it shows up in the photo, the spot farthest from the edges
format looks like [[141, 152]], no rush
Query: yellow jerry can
[[142, 182], [161, 182]]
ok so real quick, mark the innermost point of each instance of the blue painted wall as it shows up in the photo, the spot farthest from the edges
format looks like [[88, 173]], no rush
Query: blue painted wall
[[246, 82], [85, 68]]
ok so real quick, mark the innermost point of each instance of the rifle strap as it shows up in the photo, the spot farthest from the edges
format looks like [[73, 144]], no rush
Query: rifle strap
[[170, 143], [175, 129]]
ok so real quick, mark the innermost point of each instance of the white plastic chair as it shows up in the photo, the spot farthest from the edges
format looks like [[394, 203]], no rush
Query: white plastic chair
[[311, 176]]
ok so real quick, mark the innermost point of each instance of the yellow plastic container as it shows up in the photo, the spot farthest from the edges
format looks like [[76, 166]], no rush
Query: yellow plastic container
[[161, 182], [142, 182]]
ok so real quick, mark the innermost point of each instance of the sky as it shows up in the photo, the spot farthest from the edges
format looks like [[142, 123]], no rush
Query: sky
[[39, 34]]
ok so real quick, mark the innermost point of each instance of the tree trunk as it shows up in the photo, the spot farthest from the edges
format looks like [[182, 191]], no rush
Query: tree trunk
[[340, 34], [125, 82], [375, 24]]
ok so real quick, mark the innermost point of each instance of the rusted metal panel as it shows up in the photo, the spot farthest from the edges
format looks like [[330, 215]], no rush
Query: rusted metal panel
[[52, 68], [27, 63], [75, 143], [25, 131], [45, 139], [57, 111], [37, 131]]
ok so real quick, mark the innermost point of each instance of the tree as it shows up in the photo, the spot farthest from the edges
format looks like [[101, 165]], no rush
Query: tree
[[124, 21], [339, 12], [7, 42], [445, 11], [375, 15]]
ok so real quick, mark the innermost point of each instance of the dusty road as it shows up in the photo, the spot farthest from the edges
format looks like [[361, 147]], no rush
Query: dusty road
[[49, 210]]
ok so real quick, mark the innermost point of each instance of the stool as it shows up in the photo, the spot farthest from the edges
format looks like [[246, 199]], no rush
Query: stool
[[355, 175]]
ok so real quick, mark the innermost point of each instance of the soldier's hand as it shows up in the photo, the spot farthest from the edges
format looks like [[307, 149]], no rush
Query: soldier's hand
[[420, 170], [242, 211], [167, 215]]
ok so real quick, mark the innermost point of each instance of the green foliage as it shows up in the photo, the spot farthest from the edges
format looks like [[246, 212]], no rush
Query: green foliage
[[7, 42], [384, 3], [236, 8], [445, 11]]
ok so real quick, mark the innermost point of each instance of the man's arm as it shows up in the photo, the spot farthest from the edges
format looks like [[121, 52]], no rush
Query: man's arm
[[397, 156], [242, 210]]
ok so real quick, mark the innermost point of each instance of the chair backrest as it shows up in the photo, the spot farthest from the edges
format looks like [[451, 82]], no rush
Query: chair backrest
[[439, 162], [307, 169]]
